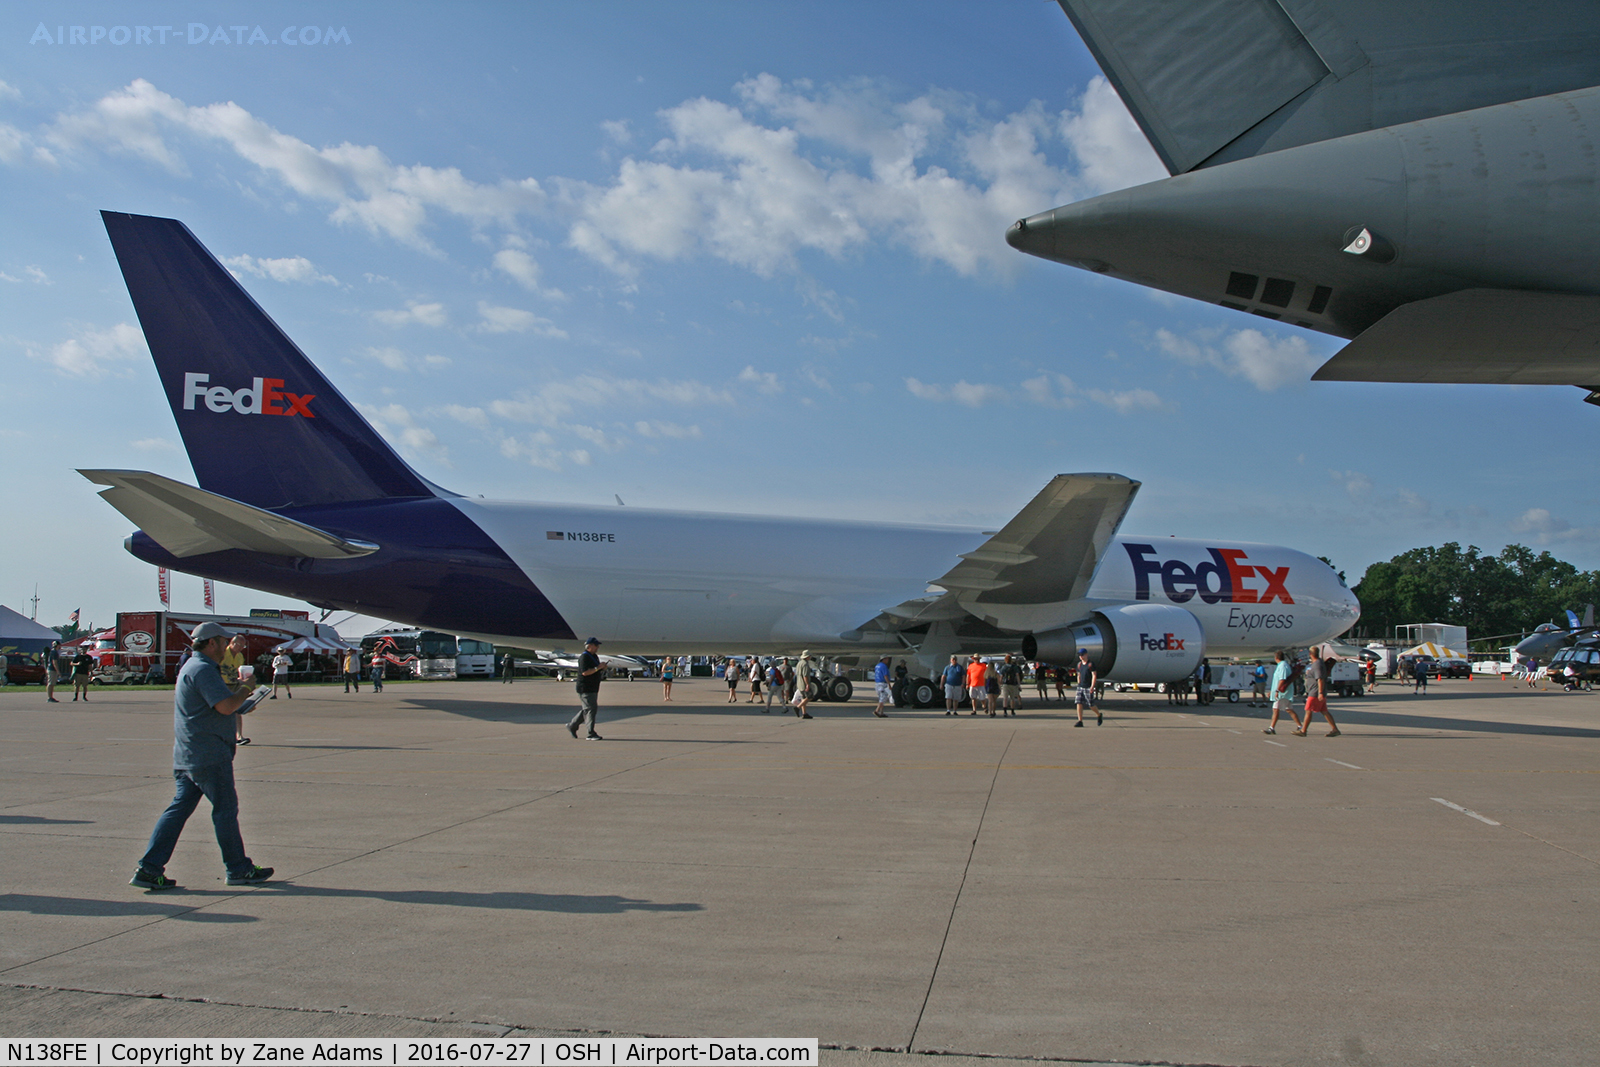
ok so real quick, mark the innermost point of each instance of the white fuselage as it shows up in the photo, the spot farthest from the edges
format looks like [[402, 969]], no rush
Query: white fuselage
[[666, 582]]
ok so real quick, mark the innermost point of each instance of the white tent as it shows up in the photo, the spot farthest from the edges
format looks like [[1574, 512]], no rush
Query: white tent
[[314, 644]]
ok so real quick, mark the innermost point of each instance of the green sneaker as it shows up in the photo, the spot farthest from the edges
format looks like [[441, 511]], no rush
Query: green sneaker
[[145, 880], [254, 876]]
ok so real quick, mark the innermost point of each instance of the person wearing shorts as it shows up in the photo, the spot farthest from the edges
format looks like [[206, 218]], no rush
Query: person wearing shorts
[[731, 674], [953, 677], [884, 688], [1011, 686], [1088, 679], [977, 683], [1281, 691]]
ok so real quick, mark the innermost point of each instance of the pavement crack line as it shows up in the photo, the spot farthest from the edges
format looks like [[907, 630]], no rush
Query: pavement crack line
[[960, 886]]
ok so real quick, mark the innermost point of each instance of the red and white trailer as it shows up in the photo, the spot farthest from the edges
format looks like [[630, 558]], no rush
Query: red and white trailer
[[163, 636]]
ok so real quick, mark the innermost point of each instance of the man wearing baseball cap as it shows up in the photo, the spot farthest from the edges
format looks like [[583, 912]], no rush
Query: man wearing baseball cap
[[590, 672], [202, 763]]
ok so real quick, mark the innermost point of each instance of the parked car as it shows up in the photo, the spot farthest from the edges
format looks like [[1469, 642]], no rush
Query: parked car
[[1454, 668], [24, 669]]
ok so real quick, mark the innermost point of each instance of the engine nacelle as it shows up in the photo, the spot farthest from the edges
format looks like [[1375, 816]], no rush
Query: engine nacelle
[[1127, 643]]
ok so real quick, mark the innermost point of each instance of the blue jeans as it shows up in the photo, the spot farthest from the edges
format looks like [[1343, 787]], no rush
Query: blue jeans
[[216, 785]]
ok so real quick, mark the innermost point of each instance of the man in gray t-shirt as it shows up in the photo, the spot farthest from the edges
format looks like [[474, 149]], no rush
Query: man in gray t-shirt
[[202, 763]]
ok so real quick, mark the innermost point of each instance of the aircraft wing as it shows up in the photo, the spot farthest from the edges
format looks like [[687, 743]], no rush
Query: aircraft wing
[[1495, 336], [191, 522], [1211, 81], [1050, 551]]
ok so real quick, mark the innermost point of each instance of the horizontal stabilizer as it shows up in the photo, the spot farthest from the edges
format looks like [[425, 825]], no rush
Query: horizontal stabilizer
[[1487, 336], [1051, 550], [192, 522]]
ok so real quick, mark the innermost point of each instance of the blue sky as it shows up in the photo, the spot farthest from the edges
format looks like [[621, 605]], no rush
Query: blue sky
[[715, 256]]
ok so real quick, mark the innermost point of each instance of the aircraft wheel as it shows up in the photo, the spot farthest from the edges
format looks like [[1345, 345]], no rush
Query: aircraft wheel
[[839, 689], [922, 693]]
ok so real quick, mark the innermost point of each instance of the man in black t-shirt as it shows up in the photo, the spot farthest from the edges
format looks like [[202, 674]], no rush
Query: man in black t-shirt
[[82, 664], [590, 672]]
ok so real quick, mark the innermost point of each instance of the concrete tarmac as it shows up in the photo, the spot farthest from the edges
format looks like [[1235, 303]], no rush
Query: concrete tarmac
[[1171, 887]]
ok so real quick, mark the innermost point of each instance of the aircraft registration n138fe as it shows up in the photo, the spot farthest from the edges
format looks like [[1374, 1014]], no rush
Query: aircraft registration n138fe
[[299, 496]]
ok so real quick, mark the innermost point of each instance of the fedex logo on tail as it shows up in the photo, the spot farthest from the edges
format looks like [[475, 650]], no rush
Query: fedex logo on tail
[[1224, 578], [263, 396]]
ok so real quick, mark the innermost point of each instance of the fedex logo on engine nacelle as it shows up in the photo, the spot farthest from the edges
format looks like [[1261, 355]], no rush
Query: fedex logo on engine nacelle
[[1164, 643], [263, 396], [1224, 578]]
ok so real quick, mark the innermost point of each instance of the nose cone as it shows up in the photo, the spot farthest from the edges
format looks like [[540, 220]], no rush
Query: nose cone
[[1352, 609], [1079, 235], [1032, 234]]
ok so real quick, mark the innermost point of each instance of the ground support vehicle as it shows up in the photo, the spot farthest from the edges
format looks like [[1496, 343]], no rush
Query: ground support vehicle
[[1346, 678]]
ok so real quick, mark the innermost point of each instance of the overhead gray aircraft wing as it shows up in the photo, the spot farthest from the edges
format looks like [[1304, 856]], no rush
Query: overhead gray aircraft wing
[[191, 522], [1210, 81], [1495, 336], [1050, 551]]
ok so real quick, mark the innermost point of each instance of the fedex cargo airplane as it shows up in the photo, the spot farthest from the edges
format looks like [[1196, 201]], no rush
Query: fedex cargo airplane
[[298, 496]]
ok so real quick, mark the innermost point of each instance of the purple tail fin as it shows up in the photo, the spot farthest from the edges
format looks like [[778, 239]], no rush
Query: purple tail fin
[[260, 422]]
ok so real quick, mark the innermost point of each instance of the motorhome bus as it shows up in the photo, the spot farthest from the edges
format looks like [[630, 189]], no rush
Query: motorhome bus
[[429, 654]]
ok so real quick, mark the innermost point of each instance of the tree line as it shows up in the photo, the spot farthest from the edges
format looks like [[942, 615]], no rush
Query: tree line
[[1488, 594]]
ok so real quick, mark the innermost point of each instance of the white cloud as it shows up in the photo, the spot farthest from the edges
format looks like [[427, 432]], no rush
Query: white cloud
[[1112, 151], [397, 424], [553, 403], [494, 319], [1127, 401], [1543, 528], [35, 274], [764, 381], [156, 444], [962, 392], [666, 429], [1060, 391], [472, 416], [779, 170], [520, 266], [597, 437], [291, 269], [392, 358], [359, 182], [413, 313], [1356, 484], [539, 450], [96, 353], [794, 168], [1268, 363]]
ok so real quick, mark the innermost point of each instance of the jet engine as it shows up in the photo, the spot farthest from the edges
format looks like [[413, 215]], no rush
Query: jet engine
[[1127, 643]]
